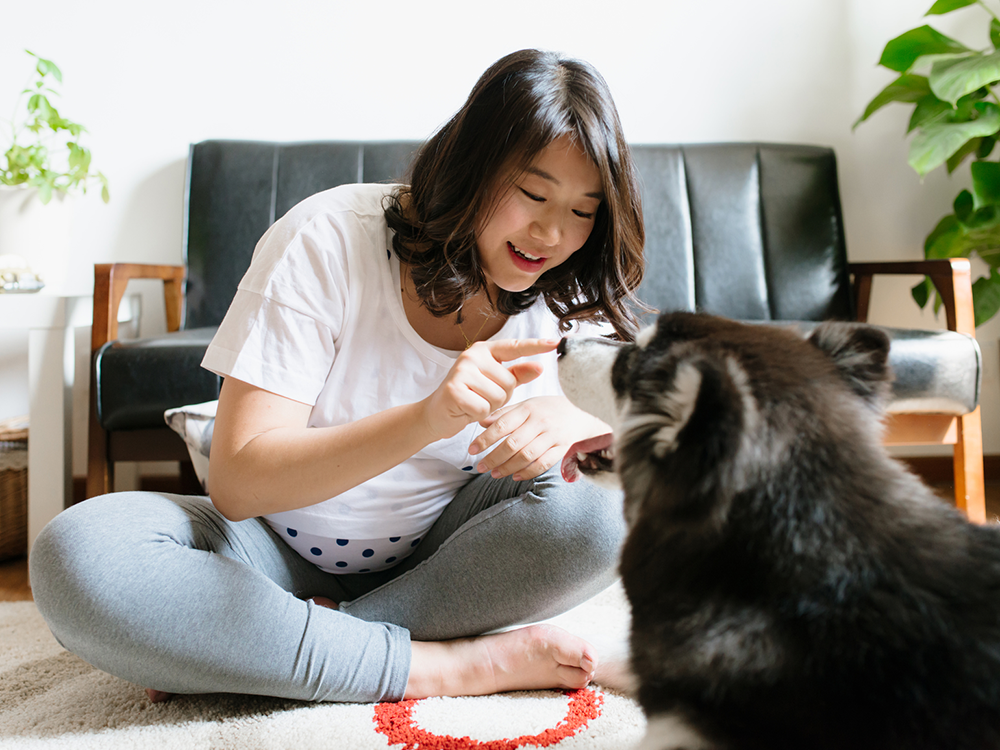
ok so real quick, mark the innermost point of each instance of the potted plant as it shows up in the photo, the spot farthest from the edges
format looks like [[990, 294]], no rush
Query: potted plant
[[33, 162], [955, 117], [44, 163]]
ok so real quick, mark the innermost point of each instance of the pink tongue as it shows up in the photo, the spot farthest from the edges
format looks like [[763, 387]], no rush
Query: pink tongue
[[571, 466]]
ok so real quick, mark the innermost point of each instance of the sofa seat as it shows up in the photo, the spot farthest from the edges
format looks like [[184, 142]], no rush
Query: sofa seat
[[936, 372], [139, 379]]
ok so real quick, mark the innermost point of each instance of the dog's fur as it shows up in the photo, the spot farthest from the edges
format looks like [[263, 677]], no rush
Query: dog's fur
[[792, 586]]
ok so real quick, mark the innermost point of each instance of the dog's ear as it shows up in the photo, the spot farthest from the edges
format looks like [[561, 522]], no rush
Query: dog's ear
[[675, 407], [861, 354], [693, 397], [685, 421]]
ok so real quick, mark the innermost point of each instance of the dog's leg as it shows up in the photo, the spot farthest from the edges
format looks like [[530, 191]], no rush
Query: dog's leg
[[614, 668]]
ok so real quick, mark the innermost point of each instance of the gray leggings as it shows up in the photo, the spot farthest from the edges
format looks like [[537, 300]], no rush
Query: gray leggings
[[163, 591]]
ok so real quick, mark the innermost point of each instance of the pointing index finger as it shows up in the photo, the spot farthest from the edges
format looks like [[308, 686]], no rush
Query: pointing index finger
[[505, 350]]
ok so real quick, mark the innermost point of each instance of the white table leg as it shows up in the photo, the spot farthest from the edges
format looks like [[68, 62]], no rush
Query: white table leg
[[50, 399], [51, 320]]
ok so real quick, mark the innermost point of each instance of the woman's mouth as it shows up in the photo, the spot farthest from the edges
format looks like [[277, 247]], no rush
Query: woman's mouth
[[525, 260]]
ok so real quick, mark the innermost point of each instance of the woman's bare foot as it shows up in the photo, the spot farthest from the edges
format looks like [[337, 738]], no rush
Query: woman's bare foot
[[532, 658]]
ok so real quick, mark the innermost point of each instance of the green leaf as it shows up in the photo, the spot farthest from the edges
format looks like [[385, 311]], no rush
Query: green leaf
[[950, 80], [987, 217], [969, 148], [933, 145], [990, 253], [939, 241], [900, 53], [945, 224], [995, 33], [986, 297], [46, 67], [922, 292], [931, 60], [79, 158], [951, 239], [906, 88], [963, 205], [929, 110], [986, 182], [986, 146], [45, 192], [947, 6]]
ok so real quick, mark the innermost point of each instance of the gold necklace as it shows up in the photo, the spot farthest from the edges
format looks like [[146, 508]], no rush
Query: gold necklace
[[462, 330], [468, 343]]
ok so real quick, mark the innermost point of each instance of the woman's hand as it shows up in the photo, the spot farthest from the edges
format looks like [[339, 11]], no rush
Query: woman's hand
[[536, 435], [479, 383]]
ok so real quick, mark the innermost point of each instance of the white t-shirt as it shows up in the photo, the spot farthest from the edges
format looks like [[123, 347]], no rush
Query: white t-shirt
[[318, 318]]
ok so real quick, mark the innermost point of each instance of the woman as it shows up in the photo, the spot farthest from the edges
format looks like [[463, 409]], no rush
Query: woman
[[363, 530]]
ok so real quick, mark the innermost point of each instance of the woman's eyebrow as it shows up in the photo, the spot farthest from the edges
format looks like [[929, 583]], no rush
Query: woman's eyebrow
[[551, 178]]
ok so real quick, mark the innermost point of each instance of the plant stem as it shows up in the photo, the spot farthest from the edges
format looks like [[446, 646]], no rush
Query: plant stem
[[987, 9]]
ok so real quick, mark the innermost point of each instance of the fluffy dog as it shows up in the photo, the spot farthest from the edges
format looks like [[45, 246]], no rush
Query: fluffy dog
[[792, 586]]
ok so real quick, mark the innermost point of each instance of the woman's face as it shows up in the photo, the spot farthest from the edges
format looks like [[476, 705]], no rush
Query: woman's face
[[544, 217]]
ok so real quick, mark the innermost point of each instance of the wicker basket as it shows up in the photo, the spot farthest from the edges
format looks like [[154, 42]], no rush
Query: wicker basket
[[13, 487]]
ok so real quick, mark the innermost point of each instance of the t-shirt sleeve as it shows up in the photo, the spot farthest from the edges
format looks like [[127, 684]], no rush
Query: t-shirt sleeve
[[281, 329]]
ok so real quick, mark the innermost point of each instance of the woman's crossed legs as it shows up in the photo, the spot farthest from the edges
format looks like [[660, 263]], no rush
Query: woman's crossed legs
[[163, 591]]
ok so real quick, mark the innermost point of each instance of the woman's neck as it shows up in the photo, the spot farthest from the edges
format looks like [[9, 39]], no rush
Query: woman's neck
[[477, 320]]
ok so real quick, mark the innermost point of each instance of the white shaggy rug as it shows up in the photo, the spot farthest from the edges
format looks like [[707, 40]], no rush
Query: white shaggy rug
[[50, 699]]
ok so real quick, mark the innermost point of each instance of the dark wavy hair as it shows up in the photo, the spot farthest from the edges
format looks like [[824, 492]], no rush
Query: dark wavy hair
[[519, 106]]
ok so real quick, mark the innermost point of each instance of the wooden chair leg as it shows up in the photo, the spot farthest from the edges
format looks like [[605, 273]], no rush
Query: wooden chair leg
[[100, 471], [970, 487]]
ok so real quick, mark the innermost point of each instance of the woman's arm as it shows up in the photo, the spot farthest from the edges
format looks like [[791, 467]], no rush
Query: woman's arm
[[264, 459]]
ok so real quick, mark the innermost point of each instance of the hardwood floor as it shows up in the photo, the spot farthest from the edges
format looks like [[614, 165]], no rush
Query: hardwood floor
[[14, 580], [14, 573]]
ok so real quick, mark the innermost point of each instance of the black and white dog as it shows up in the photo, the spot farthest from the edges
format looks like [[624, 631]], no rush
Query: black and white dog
[[792, 586]]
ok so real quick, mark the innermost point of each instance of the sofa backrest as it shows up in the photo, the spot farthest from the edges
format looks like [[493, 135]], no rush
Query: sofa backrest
[[750, 231], [235, 190]]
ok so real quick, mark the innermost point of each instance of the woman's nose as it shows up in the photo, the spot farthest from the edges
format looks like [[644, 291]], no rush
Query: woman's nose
[[546, 229]]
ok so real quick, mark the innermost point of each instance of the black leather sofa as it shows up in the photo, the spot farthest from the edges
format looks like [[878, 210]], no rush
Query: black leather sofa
[[750, 231]]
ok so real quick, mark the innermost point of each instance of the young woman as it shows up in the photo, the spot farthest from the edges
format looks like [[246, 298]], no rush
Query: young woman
[[382, 481]]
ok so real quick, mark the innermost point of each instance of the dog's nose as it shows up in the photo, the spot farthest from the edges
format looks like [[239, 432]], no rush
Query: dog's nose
[[561, 348]]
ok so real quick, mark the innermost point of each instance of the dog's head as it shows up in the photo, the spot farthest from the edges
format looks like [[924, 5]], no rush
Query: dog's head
[[703, 406]]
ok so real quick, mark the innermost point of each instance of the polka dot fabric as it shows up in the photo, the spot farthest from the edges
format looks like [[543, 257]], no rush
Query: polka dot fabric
[[337, 555]]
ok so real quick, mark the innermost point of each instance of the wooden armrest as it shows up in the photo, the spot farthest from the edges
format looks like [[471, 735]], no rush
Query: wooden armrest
[[110, 280], [952, 277]]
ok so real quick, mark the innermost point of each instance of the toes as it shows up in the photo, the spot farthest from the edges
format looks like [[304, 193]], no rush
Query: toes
[[158, 696], [573, 679], [569, 650]]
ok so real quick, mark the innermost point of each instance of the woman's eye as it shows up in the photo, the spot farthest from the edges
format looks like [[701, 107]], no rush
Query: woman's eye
[[584, 214], [532, 196]]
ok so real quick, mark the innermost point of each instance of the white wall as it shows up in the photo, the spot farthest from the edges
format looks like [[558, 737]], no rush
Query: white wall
[[148, 79]]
